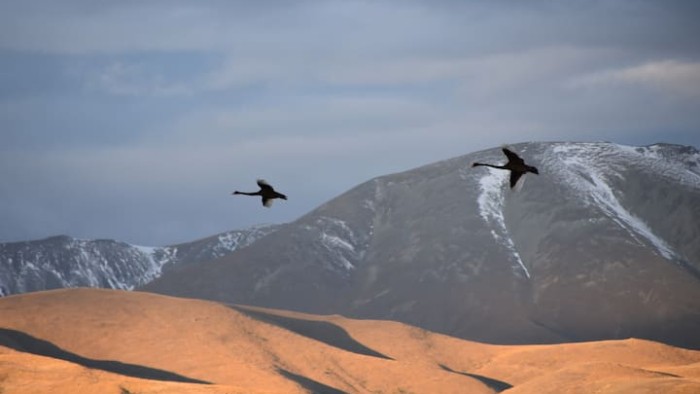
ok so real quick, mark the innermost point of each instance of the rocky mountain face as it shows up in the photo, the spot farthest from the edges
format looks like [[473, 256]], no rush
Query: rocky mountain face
[[604, 243], [62, 261]]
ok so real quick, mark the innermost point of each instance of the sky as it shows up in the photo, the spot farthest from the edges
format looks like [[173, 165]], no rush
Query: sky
[[135, 120]]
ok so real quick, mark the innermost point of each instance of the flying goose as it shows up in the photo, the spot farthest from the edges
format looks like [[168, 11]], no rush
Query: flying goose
[[515, 165], [266, 191]]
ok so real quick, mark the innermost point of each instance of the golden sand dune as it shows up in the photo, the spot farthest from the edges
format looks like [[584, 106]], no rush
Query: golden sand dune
[[90, 340]]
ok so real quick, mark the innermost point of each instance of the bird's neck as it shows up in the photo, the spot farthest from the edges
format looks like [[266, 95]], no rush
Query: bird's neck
[[490, 165]]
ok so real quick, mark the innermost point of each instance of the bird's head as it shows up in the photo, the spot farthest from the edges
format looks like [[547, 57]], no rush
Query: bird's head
[[533, 170]]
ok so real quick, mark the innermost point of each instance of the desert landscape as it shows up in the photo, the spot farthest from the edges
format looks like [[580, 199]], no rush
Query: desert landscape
[[111, 341]]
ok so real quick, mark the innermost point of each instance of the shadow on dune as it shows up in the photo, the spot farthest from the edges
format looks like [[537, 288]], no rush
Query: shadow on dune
[[565, 336], [493, 384], [23, 342], [325, 332], [309, 384]]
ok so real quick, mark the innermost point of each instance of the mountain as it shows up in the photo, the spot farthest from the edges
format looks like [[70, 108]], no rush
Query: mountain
[[62, 261], [604, 243], [110, 341]]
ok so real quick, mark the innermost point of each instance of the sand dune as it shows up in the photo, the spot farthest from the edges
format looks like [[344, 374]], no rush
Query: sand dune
[[89, 340]]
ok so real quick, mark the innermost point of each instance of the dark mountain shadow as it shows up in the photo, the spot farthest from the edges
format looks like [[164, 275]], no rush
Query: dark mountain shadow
[[564, 336], [677, 333], [23, 342], [309, 384], [689, 268], [325, 332], [493, 384]]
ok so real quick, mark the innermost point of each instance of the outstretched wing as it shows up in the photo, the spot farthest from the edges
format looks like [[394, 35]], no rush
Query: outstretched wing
[[514, 176], [267, 202], [264, 185], [512, 156]]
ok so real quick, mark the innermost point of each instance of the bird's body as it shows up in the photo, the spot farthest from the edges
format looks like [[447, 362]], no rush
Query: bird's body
[[515, 165], [266, 191]]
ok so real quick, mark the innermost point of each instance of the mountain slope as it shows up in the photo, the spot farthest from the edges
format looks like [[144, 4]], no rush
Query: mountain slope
[[603, 244], [93, 340], [62, 261]]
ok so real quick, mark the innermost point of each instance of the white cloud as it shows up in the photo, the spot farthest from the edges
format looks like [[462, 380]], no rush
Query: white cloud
[[487, 74], [304, 117], [670, 76]]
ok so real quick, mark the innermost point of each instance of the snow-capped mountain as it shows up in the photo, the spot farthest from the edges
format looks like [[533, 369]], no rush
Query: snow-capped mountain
[[604, 243], [63, 261]]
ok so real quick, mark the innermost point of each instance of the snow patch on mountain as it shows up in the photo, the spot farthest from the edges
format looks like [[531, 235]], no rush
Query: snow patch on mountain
[[340, 242], [680, 164], [490, 201], [332, 242], [62, 261], [588, 172], [369, 204], [228, 242], [154, 260]]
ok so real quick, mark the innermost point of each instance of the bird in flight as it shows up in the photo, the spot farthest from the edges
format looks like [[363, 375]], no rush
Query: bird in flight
[[266, 191], [515, 165]]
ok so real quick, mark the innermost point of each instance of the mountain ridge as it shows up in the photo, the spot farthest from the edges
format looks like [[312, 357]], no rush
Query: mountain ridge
[[62, 261], [452, 249]]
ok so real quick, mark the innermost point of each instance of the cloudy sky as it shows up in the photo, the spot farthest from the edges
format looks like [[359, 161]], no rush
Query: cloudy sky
[[134, 120]]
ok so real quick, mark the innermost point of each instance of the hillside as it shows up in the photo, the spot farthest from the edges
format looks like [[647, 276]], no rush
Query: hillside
[[63, 261], [603, 244], [89, 340]]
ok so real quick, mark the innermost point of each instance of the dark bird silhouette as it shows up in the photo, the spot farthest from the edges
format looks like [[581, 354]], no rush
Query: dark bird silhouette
[[515, 165], [266, 191]]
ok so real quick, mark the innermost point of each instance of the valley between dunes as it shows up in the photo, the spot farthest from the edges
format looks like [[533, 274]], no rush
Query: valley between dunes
[[109, 341]]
